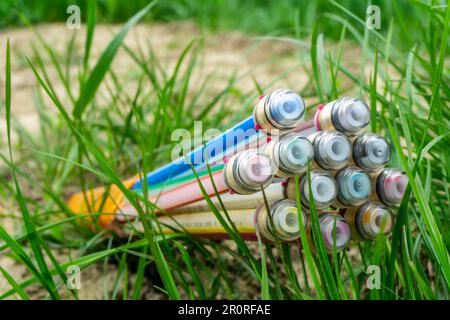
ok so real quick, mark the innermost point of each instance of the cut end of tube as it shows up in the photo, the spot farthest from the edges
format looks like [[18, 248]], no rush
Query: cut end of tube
[[335, 232], [355, 186], [283, 109], [373, 220], [248, 170], [371, 151], [285, 219], [351, 115], [395, 186], [332, 150], [323, 187]]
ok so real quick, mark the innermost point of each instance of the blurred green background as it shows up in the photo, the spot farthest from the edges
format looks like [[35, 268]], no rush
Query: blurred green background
[[282, 17]]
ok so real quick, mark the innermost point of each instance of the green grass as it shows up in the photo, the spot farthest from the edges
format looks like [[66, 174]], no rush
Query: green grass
[[283, 17], [94, 142]]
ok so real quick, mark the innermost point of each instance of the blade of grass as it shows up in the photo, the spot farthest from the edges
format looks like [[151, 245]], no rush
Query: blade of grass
[[91, 21], [138, 283], [14, 284], [441, 252], [305, 244], [33, 236], [90, 87]]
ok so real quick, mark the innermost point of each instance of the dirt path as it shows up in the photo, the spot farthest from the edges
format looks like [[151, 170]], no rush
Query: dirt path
[[223, 53]]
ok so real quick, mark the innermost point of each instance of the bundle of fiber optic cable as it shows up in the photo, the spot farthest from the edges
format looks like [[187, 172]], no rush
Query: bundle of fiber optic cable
[[248, 172]]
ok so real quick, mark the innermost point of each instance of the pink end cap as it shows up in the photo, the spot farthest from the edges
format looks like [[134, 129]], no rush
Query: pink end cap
[[396, 185], [316, 117]]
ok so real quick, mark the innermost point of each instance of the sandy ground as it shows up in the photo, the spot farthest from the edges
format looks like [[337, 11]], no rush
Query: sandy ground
[[223, 54]]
